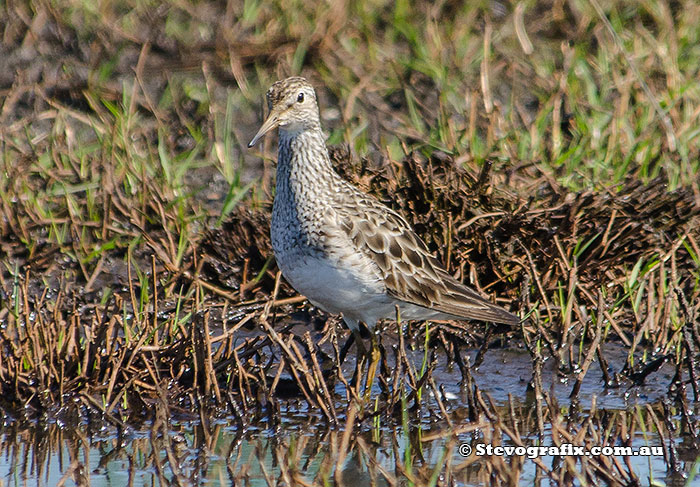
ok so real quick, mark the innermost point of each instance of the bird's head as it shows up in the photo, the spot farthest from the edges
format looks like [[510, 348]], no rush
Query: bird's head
[[292, 107]]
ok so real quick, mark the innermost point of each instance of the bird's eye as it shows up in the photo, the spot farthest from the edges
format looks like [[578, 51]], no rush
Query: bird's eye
[[300, 98]]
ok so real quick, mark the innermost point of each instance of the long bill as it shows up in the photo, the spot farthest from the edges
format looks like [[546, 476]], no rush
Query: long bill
[[271, 122]]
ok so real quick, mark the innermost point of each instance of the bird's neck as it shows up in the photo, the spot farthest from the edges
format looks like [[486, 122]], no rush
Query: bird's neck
[[303, 163]]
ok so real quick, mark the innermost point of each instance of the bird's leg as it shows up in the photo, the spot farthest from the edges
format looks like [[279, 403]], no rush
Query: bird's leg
[[361, 357], [374, 355], [361, 349], [346, 347], [364, 356]]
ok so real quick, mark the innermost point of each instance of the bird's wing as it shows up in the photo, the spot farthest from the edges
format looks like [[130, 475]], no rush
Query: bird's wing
[[409, 270]]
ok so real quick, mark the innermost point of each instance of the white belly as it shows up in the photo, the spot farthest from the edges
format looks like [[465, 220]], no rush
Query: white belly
[[338, 279], [334, 289]]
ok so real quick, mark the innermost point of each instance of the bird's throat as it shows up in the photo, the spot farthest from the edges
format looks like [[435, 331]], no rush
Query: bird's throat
[[303, 164]]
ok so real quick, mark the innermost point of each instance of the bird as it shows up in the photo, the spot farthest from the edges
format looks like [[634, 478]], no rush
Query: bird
[[343, 249]]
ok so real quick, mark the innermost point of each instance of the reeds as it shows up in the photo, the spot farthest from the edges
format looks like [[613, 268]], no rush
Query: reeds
[[547, 161]]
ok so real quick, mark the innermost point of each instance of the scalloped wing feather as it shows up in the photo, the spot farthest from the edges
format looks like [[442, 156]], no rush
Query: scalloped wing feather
[[410, 272]]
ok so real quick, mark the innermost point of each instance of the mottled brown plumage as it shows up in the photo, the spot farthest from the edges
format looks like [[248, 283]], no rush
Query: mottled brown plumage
[[343, 249]]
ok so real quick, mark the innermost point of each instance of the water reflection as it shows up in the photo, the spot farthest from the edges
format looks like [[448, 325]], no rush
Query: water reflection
[[304, 452]]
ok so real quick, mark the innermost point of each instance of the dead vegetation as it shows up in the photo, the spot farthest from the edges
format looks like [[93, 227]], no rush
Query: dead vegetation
[[138, 283], [178, 456], [237, 342]]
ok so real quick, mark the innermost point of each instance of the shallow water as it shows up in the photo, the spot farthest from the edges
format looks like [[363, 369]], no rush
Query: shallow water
[[225, 456], [303, 446]]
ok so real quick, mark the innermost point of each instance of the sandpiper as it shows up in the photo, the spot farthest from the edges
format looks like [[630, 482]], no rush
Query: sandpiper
[[343, 249]]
